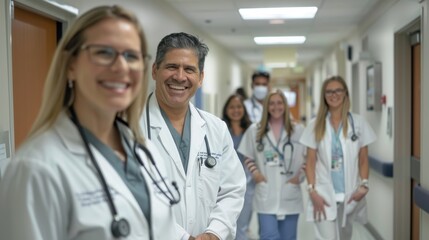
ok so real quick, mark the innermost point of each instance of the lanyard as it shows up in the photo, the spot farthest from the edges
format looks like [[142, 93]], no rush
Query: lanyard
[[276, 148], [337, 151]]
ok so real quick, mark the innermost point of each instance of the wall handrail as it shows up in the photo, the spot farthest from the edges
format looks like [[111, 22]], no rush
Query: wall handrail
[[382, 167], [421, 196]]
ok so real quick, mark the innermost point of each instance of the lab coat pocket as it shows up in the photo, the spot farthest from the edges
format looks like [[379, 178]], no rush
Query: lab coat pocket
[[208, 183], [261, 191], [291, 191]]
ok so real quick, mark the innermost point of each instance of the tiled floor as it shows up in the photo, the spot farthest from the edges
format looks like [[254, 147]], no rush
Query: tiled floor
[[305, 229]]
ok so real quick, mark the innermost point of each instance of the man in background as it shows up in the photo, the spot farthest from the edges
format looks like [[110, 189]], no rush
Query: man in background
[[260, 88]]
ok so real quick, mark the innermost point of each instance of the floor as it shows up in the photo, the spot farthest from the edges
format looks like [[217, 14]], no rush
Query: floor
[[305, 229]]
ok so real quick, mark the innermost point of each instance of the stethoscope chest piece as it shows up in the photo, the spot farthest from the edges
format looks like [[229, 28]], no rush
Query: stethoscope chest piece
[[120, 228], [210, 162], [354, 137], [260, 147]]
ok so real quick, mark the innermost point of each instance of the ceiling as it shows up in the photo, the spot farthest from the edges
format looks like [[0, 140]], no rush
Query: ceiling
[[220, 19]]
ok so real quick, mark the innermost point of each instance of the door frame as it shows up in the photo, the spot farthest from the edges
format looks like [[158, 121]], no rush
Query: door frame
[[424, 154], [402, 125], [58, 12]]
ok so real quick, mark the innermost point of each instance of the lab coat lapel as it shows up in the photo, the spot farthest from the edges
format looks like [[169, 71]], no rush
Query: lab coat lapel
[[326, 144], [161, 134], [69, 134], [197, 136], [272, 138]]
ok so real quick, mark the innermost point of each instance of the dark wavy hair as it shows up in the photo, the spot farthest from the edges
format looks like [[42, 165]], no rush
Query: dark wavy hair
[[245, 121]]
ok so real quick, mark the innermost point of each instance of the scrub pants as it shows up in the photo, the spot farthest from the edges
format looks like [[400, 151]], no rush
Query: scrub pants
[[332, 230], [270, 228], [246, 213]]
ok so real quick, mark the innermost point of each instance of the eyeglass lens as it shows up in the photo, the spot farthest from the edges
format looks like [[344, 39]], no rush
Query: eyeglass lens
[[106, 56], [337, 91]]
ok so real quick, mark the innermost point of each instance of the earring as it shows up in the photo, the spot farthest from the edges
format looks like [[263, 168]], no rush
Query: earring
[[70, 83]]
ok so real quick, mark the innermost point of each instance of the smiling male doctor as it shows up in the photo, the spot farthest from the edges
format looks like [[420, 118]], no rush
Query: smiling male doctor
[[196, 145]]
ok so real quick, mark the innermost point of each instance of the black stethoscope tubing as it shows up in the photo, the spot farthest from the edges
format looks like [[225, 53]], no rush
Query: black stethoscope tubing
[[210, 161], [120, 227], [354, 137]]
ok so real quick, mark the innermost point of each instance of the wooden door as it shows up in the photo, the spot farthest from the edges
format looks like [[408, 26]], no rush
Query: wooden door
[[34, 38]]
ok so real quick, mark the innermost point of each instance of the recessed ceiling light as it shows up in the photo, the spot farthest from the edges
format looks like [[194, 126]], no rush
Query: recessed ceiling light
[[279, 40], [277, 13]]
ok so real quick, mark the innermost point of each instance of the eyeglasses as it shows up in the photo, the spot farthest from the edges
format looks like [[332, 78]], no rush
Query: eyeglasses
[[105, 56], [338, 91]]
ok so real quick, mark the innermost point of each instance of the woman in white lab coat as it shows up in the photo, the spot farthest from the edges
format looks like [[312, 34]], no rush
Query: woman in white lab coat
[[275, 161], [337, 163], [83, 173]]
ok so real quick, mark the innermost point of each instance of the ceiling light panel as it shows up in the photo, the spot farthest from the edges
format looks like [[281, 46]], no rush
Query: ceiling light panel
[[279, 40], [277, 13]]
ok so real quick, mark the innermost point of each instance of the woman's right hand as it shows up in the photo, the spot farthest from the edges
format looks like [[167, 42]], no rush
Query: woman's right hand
[[319, 204], [256, 174], [258, 177]]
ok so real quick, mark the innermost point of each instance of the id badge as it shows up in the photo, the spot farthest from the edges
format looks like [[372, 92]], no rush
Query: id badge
[[271, 158], [336, 164]]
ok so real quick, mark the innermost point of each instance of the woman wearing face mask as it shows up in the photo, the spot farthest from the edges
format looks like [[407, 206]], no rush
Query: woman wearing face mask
[[260, 87], [273, 152]]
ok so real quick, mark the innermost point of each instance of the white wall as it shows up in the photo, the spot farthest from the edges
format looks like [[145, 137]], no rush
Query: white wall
[[5, 88]]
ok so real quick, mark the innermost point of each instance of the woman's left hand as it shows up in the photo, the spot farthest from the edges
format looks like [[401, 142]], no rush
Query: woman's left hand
[[294, 180], [358, 194], [206, 236]]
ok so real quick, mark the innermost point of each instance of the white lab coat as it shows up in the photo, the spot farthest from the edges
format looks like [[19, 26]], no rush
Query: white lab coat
[[51, 191], [275, 196], [323, 185], [254, 109], [212, 198]]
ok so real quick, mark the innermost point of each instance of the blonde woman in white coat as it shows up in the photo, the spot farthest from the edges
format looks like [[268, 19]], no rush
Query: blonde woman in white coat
[[337, 163], [85, 171], [275, 161]]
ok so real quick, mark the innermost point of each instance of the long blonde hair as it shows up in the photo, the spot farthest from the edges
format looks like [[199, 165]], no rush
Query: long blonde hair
[[263, 124], [320, 126], [57, 96]]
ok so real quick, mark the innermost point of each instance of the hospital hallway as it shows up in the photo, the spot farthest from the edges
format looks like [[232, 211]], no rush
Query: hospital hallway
[[379, 47]]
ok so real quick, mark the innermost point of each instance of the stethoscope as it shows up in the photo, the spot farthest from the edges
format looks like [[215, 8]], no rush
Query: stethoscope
[[260, 147], [354, 137], [210, 161], [120, 227]]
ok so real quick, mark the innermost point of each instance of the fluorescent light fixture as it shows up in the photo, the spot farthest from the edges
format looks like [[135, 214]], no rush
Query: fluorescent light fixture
[[277, 13], [279, 40], [280, 65]]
